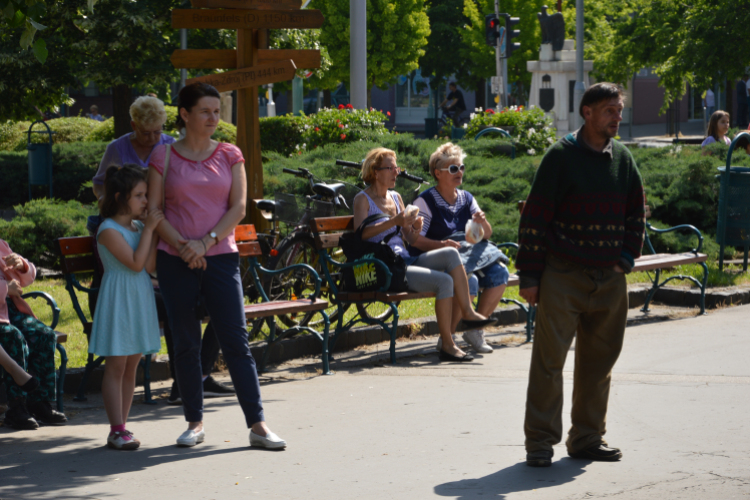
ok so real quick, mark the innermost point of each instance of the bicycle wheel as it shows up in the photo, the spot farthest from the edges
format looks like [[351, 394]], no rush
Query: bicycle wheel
[[375, 310], [298, 248]]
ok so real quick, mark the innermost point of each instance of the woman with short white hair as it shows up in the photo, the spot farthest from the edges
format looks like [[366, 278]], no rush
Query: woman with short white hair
[[446, 209]]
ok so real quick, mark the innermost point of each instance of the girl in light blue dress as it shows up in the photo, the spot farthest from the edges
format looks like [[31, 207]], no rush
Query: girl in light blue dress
[[125, 321]]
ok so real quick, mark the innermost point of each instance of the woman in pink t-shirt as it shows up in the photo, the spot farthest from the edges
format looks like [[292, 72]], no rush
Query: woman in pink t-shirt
[[205, 194]]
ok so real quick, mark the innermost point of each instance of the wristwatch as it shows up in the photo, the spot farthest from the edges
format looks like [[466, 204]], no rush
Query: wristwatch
[[214, 236]]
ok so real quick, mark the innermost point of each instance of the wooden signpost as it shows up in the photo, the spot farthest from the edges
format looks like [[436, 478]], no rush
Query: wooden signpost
[[253, 62]]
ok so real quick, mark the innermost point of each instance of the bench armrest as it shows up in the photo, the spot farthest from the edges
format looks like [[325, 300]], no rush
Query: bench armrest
[[681, 227], [255, 266], [50, 301], [346, 265]]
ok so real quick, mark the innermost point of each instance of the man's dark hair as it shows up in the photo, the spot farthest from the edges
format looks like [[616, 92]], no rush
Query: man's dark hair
[[599, 92], [453, 84]]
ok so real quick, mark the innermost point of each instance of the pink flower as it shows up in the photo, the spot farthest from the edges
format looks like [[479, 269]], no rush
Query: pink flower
[[349, 106], [341, 126], [343, 136], [341, 106], [490, 112], [388, 113], [317, 129]]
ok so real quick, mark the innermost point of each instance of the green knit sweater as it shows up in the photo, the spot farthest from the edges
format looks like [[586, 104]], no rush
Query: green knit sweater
[[585, 207]]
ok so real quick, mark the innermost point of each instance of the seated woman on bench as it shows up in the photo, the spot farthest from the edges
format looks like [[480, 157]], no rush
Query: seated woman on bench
[[446, 209], [438, 271], [30, 343]]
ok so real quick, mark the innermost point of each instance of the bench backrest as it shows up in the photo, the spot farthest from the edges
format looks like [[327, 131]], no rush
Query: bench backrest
[[77, 254], [247, 240], [328, 230]]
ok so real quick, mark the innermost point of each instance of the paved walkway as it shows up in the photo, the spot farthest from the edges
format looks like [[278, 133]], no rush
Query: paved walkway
[[422, 429]]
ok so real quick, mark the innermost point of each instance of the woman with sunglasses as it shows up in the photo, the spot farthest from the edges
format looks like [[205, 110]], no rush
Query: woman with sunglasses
[[439, 271], [446, 209]]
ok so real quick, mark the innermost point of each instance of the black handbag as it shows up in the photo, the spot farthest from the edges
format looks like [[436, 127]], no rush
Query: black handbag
[[368, 276]]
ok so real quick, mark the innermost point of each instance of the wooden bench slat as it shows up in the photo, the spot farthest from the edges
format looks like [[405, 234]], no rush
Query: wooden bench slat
[[398, 297], [249, 249], [79, 264], [664, 260], [61, 337], [323, 224], [327, 241], [513, 280], [276, 308], [245, 232], [76, 245]]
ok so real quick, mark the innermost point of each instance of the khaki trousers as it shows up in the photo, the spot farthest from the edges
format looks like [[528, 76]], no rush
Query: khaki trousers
[[593, 303]]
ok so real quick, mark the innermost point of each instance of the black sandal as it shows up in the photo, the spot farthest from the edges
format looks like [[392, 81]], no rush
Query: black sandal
[[444, 356], [476, 324]]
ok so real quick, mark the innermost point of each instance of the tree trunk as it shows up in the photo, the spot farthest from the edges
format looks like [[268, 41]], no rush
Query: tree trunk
[[481, 89], [327, 98], [121, 101], [730, 103]]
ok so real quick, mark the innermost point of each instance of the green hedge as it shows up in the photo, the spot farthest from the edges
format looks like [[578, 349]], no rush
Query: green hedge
[[73, 165], [38, 224], [14, 137]]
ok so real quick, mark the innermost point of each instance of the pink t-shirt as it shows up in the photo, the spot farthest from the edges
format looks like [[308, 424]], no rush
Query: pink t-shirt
[[197, 193]]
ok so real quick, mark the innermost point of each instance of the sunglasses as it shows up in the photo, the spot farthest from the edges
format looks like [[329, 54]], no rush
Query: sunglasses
[[453, 169], [396, 169]]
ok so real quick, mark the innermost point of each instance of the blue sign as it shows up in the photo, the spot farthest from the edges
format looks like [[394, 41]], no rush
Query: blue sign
[[501, 40]]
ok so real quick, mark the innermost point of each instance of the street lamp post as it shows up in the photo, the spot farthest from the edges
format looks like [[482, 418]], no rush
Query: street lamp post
[[580, 86]]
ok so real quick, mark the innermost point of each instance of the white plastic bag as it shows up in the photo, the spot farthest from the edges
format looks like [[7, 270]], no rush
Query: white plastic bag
[[474, 232]]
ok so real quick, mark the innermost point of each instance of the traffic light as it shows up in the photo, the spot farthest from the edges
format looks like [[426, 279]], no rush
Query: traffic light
[[491, 29], [510, 34]]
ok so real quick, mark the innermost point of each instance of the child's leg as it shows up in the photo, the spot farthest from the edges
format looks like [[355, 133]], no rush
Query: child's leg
[[128, 384], [17, 373], [114, 372]]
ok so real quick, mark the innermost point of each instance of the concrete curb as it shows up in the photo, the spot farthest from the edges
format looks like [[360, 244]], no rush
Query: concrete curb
[[308, 345]]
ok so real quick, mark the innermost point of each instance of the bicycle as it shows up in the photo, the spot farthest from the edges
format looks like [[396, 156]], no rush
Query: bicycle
[[298, 246]]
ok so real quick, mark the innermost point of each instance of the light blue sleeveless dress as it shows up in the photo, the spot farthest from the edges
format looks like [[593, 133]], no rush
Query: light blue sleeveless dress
[[125, 320]]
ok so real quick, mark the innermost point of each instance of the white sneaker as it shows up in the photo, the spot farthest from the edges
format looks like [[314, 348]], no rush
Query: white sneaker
[[270, 441], [191, 438], [440, 342], [475, 338]]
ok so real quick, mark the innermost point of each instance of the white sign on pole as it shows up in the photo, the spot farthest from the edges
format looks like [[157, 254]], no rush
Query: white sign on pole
[[497, 84]]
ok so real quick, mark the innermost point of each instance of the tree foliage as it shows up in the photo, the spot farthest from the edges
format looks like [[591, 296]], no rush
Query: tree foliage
[[28, 85], [397, 32], [693, 42], [26, 16], [443, 57]]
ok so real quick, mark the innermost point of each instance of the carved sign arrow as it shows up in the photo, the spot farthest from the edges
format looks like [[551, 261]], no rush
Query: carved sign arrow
[[254, 76]]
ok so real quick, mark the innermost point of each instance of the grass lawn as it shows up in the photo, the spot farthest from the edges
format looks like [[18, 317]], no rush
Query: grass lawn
[[77, 346]]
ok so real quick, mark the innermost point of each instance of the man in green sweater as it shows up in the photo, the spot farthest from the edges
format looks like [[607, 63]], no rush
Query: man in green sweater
[[581, 229]]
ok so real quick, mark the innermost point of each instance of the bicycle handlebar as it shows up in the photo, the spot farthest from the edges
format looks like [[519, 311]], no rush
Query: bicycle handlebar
[[412, 178], [349, 164]]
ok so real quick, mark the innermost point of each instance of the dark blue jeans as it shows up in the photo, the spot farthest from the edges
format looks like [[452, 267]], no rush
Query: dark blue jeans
[[220, 289]]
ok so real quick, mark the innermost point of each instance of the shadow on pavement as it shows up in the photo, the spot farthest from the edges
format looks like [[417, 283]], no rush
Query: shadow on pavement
[[518, 477]]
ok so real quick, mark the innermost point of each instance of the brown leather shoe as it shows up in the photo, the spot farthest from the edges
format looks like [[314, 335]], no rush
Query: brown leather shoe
[[599, 453]]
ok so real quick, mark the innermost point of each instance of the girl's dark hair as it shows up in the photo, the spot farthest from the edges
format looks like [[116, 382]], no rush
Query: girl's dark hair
[[190, 95], [713, 124], [120, 181]]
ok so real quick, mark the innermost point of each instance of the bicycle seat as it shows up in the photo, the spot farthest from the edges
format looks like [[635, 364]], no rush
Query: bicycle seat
[[266, 205], [328, 190]]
